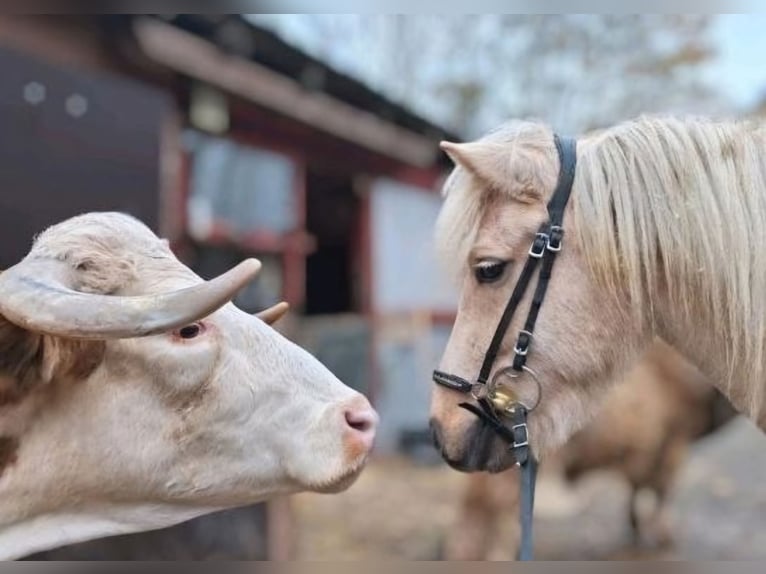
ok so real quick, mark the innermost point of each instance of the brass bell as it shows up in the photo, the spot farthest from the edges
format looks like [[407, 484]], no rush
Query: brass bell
[[502, 398]]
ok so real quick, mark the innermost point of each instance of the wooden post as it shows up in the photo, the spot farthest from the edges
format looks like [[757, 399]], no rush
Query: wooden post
[[280, 531]]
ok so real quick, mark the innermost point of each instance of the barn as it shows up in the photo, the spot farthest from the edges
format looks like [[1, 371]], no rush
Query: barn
[[233, 143]]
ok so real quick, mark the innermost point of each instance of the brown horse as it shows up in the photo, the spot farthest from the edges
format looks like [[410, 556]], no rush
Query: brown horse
[[662, 238], [642, 433]]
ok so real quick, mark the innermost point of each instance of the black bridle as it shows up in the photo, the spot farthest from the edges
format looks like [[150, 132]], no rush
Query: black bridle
[[496, 403]]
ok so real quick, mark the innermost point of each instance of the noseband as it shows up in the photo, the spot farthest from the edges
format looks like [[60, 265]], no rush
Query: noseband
[[497, 402]]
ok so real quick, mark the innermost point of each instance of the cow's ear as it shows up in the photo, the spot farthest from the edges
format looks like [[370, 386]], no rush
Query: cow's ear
[[274, 313], [65, 359], [28, 358], [19, 355]]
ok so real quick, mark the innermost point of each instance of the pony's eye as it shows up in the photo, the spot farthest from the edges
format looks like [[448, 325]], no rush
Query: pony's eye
[[189, 331], [489, 270]]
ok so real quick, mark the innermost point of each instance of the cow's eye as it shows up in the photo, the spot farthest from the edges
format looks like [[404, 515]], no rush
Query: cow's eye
[[189, 331], [489, 270]]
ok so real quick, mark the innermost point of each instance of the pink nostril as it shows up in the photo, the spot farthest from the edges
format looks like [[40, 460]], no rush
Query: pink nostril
[[362, 420]]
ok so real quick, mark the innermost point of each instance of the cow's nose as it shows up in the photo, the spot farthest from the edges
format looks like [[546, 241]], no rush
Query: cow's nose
[[361, 422]]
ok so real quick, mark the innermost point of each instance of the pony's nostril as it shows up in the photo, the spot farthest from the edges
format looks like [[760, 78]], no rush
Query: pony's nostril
[[436, 434]]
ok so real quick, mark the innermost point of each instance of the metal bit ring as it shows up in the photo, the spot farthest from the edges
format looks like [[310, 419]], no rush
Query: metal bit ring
[[513, 397]]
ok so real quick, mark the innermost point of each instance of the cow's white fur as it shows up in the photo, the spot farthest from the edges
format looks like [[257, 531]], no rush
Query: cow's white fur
[[164, 429]]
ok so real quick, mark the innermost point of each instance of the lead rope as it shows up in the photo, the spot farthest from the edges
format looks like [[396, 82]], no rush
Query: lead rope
[[528, 470], [518, 437], [546, 246]]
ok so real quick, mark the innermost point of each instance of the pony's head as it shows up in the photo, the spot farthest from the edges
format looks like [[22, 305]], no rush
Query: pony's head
[[495, 203]]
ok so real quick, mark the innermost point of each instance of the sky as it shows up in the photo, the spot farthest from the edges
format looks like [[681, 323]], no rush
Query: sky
[[740, 69]]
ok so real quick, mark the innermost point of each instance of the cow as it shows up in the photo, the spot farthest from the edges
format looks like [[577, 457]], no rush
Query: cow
[[134, 395]]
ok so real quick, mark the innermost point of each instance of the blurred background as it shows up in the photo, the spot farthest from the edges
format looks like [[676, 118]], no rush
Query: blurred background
[[311, 142]]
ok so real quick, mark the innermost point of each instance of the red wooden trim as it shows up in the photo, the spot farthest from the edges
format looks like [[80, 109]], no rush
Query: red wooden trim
[[427, 179], [294, 277], [184, 187], [263, 128], [260, 241], [363, 255], [181, 244], [299, 191], [299, 244], [443, 317]]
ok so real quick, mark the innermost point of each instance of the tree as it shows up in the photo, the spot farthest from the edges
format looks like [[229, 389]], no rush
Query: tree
[[577, 72], [586, 71]]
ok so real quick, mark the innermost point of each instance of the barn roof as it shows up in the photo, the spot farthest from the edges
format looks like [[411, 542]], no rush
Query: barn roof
[[236, 34]]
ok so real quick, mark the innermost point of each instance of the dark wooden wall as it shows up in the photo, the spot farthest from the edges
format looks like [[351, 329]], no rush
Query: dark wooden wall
[[75, 142]]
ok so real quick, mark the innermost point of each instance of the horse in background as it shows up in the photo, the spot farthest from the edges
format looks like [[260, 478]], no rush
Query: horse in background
[[642, 433]]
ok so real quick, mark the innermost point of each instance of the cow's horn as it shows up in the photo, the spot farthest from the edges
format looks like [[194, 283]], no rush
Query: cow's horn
[[36, 295], [274, 313]]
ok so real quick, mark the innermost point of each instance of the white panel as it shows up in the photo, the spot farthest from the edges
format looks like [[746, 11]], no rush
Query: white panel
[[249, 189], [406, 274], [406, 364]]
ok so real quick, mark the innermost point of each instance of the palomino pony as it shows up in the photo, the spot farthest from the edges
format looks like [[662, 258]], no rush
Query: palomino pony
[[661, 238]]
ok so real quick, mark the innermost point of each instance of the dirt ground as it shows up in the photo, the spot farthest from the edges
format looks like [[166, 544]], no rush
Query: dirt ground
[[400, 510]]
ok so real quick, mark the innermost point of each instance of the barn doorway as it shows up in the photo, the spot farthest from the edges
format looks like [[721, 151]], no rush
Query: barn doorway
[[335, 329], [332, 216]]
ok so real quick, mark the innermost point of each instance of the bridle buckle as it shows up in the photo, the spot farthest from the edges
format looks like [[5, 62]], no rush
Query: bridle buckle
[[537, 249], [523, 441], [522, 343], [555, 238]]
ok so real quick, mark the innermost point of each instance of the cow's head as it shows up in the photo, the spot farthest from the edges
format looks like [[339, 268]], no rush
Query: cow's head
[[134, 395]]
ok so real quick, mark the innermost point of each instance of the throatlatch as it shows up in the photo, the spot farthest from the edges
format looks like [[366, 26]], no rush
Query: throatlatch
[[499, 406]]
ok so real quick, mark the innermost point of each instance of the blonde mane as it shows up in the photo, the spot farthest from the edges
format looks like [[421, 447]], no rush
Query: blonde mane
[[661, 205]]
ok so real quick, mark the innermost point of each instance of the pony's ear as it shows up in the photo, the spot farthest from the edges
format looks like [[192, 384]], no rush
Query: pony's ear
[[493, 165], [471, 156]]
